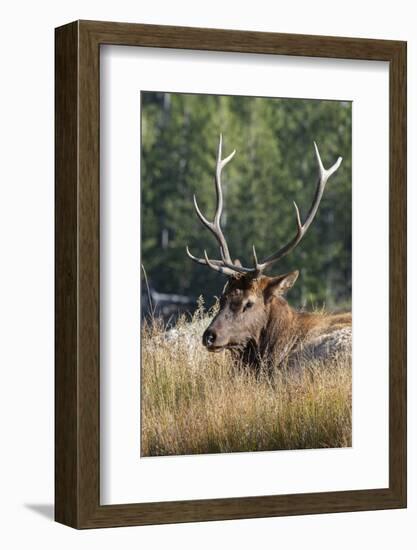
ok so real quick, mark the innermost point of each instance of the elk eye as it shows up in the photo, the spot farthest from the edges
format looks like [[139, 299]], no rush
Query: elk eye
[[248, 305]]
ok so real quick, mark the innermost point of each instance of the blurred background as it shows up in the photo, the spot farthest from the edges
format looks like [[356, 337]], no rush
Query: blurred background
[[274, 165]]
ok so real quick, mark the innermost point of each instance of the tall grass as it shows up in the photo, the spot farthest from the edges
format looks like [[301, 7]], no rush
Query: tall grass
[[197, 402]]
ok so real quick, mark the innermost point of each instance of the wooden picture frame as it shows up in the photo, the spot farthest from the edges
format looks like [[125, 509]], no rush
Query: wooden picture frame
[[77, 374]]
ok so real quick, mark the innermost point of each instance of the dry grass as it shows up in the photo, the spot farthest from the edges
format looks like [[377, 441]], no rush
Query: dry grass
[[196, 402]]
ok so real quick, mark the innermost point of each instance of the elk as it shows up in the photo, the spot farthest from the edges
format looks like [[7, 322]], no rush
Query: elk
[[254, 320]]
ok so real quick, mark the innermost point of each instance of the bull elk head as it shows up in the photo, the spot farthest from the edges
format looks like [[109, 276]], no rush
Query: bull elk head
[[251, 302]]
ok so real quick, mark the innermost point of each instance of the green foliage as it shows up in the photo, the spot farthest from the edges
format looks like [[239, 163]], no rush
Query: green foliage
[[274, 166]]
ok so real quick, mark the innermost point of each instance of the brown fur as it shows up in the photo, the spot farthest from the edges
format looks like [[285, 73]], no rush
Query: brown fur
[[260, 327]]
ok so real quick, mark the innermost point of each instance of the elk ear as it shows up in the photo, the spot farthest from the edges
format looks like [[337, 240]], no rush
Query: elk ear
[[277, 286], [237, 262]]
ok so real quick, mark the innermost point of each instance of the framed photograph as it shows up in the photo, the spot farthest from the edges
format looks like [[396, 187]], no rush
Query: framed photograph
[[230, 274]]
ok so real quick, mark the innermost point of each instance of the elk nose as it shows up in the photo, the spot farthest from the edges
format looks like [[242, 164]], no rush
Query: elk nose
[[209, 337]]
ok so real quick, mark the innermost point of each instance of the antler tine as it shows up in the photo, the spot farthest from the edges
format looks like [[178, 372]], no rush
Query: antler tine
[[219, 193], [217, 265], [324, 175], [214, 226], [255, 259]]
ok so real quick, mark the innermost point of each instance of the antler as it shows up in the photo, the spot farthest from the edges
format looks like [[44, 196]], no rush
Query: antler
[[214, 227], [225, 265], [324, 175]]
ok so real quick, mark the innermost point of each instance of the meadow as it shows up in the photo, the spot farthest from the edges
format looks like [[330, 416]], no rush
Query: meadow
[[196, 402]]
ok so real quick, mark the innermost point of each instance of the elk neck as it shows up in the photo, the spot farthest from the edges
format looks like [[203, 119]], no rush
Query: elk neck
[[278, 335], [285, 328]]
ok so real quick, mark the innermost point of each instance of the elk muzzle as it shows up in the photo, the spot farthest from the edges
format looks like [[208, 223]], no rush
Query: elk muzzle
[[216, 337], [209, 338]]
